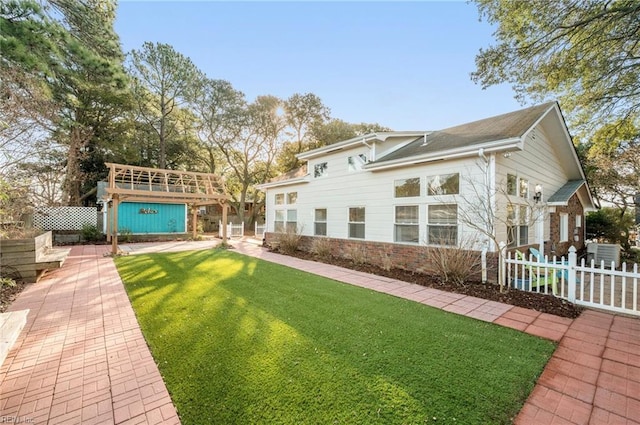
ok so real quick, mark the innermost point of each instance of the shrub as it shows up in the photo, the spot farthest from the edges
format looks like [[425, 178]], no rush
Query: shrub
[[7, 281], [386, 263], [321, 247], [90, 233], [357, 254], [289, 241], [454, 263], [126, 235]]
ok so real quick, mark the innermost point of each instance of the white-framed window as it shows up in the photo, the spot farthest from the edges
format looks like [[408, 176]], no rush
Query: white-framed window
[[320, 222], [356, 222], [405, 188], [292, 220], [278, 224], [512, 184], [564, 227], [320, 170], [443, 184], [356, 162], [524, 189], [517, 186], [407, 224], [279, 199], [518, 218], [442, 224], [578, 220], [292, 197]]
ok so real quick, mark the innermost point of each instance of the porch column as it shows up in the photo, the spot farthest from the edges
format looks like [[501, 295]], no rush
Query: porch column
[[224, 222], [540, 229], [194, 220], [114, 225]]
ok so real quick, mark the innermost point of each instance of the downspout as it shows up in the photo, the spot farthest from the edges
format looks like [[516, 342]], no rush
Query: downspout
[[489, 176], [372, 149]]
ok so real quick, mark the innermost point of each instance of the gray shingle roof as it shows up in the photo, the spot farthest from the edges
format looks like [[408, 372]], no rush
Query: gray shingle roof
[[501, 127], [566, 192]]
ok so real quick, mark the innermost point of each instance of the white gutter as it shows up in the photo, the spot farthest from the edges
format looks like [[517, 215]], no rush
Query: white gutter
[[288, 182]]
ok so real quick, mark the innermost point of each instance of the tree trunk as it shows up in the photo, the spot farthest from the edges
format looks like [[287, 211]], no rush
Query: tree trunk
[[74, 177]]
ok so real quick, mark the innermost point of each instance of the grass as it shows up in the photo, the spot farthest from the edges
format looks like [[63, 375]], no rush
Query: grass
[[240, 340]]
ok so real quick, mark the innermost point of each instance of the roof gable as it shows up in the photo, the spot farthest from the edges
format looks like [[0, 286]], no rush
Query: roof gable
[[507, 126]]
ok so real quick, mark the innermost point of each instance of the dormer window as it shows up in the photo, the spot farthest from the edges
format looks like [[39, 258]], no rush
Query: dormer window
[[320, 170], [356, 162]]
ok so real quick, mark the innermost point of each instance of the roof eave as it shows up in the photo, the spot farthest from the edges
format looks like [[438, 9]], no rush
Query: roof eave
[[270, 185], [371, 137], [490, 147]]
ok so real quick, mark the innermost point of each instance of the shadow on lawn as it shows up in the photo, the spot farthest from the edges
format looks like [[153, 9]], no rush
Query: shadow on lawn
[[245, 340]]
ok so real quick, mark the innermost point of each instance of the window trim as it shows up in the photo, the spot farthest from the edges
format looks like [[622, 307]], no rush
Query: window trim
[[455, 226], [395, 187], [415, 224], [442, 176], [563, 227], [320, 170], [316, 222], [363, 223]]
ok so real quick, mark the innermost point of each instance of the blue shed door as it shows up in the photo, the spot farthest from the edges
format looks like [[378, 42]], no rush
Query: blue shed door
[[147, 217]]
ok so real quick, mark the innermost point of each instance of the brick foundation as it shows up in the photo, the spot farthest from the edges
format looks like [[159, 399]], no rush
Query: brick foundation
[[408, 257]]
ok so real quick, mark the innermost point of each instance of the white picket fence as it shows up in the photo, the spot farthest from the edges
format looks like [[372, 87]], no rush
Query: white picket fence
[[233, 230], [600, 286], [259, 231]]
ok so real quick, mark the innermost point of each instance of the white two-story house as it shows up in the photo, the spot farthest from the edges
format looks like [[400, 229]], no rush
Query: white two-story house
[[513, 178]]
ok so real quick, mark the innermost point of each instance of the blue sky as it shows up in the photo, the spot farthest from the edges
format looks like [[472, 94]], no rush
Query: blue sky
[[404, 65]]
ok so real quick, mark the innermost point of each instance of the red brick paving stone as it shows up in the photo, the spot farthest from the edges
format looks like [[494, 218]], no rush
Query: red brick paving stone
[[602, 417], [574, 370], [544, 332], [510, 323], [567, 385], [583, 346], [584, 359]]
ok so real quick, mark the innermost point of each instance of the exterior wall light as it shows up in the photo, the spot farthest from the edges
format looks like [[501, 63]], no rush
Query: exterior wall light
[[538, 193]]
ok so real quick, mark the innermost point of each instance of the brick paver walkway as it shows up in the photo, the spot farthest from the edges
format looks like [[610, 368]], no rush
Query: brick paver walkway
[[82, 357]]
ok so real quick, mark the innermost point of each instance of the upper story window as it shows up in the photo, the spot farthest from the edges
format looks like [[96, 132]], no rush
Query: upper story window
[[320, 170], [356, 162], [517, 186], [279, 199], [443, 184], [407, 187], [292, 197]]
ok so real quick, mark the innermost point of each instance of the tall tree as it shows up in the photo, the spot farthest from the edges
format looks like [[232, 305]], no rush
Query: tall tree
[[71, 49], [586, 53], [222, 113], [165, 79]]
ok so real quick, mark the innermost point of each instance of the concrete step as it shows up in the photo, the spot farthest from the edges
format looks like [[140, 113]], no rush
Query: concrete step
[[11, 324]]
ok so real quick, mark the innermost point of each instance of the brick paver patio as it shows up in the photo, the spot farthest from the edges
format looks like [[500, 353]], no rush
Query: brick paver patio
[[82, 359]]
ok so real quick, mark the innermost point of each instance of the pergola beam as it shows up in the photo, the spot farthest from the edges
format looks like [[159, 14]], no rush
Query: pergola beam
[[142, 184]]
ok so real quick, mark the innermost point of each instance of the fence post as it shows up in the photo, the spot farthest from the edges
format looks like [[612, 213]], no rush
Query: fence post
[[573, 259], [502, 264]]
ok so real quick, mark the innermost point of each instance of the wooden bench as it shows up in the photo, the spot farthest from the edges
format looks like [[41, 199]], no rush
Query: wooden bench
[[29, 259], [11, 324]]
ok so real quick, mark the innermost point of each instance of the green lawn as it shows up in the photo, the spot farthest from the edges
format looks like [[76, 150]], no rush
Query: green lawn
[[240, 340]]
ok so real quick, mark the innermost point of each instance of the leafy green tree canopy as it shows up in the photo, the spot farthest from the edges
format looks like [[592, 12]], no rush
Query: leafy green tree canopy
[[587, 53]]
